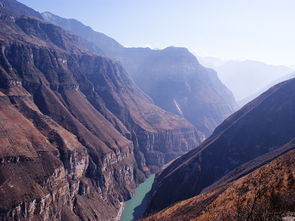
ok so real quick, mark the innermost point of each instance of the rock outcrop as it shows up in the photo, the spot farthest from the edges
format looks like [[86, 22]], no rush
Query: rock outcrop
[[172, 77], [76, 134], [259, 128]]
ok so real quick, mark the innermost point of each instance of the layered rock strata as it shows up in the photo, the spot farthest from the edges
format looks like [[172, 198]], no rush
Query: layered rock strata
[[77, 135]]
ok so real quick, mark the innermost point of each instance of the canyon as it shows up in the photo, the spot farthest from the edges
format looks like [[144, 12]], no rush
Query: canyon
[[172, 77], [85, 120], [258, 133], [77, 134]]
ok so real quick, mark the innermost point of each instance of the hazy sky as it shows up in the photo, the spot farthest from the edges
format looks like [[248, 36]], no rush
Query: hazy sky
[[262, 30]]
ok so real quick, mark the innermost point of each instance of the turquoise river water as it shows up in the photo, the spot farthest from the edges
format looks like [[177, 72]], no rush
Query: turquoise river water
[[135, 206]]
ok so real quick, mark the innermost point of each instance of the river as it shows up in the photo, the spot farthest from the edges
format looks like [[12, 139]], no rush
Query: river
[[135, 207]]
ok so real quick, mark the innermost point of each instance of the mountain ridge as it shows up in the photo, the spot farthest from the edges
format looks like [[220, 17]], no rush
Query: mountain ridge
[[239, 139], [77, 135], [247, 77], [255, 196], [169, 76]]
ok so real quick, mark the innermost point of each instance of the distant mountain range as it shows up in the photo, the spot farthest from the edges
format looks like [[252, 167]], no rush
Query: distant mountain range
[[211, 62], [76, 134], [253, 96], [172, 77], [84, 120], [246, 79]]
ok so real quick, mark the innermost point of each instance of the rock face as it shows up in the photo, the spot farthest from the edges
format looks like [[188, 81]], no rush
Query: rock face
[[267, 193], [172, 77], [76, 134], [260, 127], [176, 82]]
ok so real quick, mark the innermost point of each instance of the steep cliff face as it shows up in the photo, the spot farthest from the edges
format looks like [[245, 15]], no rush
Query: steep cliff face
[[158, 136], [267, 193], [103, 158], [34, 181], [76, 134], [260, 127], [172, 77], [176, 82], [45, 169]]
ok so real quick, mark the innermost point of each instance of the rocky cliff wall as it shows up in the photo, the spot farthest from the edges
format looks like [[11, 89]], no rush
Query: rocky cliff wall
[[77, 134]]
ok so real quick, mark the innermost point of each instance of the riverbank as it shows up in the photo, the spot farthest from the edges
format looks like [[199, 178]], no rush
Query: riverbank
[[118, 217]]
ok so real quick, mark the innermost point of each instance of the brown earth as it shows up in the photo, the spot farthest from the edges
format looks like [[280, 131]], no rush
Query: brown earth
[[261, 127], [76, 134], [268, 193]]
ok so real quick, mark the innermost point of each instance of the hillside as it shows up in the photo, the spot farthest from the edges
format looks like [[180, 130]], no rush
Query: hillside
[[260, 127], [267, 193], [76, 134], [172, 77]]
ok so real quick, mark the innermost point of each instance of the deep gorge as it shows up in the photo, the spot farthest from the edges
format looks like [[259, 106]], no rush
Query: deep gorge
[[92, 130]]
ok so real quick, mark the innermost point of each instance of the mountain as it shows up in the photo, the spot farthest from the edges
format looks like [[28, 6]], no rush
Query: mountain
[[267, 193], [172, 77], [245, 78], [260, 127], [256, 75], [76, 134], [176, 82], [211, 62], [281, 79], [108, 45]]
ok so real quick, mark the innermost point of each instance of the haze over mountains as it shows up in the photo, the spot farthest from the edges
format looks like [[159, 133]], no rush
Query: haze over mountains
[[84, 120], [247, 79], [77, 134], [172, 77], [66, 102]]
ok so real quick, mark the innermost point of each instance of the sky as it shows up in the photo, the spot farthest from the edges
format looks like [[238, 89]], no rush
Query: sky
[[261, 30]]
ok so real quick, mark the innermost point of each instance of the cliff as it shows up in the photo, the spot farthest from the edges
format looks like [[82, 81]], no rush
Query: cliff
[[76, 134], [172, 77], [178, 83], [260, 127]]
